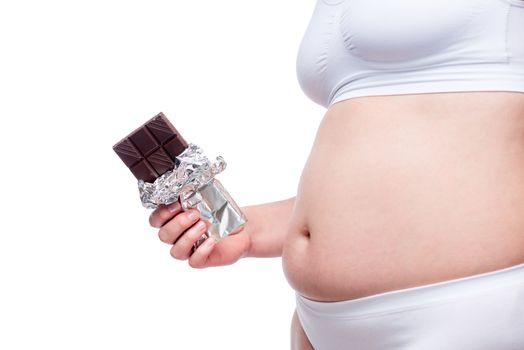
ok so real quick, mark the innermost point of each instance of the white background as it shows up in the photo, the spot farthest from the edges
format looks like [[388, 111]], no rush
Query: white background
[[79, 266]]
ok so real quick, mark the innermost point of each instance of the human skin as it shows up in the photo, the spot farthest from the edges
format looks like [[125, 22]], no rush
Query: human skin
[[398, 191]]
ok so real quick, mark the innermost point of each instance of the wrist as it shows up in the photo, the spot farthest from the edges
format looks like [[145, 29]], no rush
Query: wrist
[[266, 228], [248, 230]]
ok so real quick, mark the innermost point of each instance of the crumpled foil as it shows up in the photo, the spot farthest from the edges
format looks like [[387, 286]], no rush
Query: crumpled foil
[[193, 182]]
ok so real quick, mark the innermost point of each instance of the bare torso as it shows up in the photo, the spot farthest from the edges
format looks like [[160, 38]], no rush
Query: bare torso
[[406, 190]]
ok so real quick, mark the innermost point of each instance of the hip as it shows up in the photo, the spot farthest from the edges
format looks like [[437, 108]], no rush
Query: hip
[[483, 311]]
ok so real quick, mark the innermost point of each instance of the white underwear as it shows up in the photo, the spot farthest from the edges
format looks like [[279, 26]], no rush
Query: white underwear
[[478, 312]]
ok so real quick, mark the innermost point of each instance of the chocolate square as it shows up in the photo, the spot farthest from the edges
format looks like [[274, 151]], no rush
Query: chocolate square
[[150, 150]]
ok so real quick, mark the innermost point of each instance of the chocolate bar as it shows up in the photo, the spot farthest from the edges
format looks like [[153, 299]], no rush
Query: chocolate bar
[[151, 149]]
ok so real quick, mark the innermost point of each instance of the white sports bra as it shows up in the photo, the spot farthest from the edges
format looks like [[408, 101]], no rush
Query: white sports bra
[[367, 48]]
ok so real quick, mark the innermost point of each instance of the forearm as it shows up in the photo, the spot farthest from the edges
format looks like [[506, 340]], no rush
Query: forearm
[[267, 224]]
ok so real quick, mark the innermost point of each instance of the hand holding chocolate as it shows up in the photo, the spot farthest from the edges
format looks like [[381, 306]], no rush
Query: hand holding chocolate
[[169, 169]]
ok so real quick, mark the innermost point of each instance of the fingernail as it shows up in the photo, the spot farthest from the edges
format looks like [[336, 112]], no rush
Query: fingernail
[[193, 215], [173, 207], [208, 243], [201, 226]]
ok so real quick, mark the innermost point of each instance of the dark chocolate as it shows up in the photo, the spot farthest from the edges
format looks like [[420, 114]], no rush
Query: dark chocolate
[[151, 150]]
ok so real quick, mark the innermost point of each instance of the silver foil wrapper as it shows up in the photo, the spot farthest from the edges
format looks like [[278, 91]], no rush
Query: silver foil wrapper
[[193, 182]]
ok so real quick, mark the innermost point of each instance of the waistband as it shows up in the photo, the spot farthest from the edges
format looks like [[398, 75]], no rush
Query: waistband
[[416, 297]]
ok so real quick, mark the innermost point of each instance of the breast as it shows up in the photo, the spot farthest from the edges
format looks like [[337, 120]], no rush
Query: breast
[[376, 48], [408, 190], [401, 30]]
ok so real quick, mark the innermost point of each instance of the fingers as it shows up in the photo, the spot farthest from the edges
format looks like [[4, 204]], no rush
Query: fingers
[[182, 248], [182, 229], [175, 227], [163, 214]]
